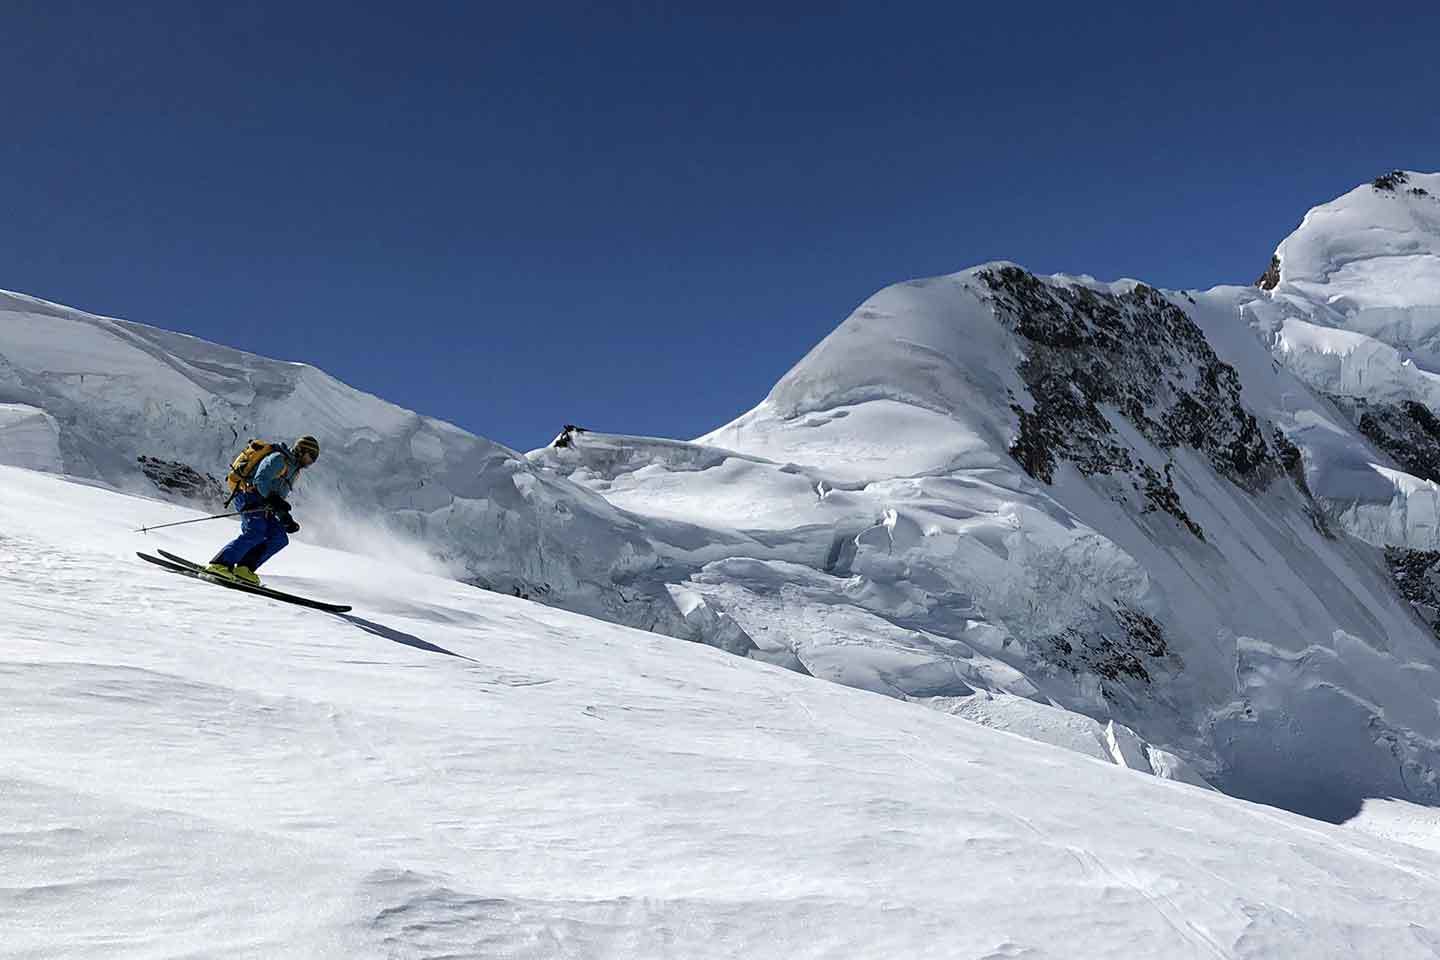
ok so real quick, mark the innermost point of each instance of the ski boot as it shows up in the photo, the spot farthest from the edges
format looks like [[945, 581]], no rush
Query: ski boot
[[245, 575], [222, 570]]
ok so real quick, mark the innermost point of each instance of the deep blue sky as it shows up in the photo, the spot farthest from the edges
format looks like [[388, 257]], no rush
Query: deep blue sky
[[637, 219]]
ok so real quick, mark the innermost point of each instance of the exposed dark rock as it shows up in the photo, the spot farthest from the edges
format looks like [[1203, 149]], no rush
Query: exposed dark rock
[[1145, 633], [1419, 192], [514, 586], [1290, 459], [1270, 279], [1294, 465], [180, 479], [1407, 431], [1389, 181], [1137, 354], [567, 436], [1114, 654], [1416, 577], [1160, 494]]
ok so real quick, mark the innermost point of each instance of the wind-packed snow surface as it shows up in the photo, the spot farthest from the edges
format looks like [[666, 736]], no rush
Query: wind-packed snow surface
[[141, 408], [1190, 533], [191, 771], [1355, 312], [1002, 494]]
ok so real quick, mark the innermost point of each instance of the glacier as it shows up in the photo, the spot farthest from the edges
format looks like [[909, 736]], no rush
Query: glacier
[[1182, 531], [192, 771]]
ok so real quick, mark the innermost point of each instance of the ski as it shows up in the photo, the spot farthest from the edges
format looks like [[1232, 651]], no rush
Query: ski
[[177, 564]]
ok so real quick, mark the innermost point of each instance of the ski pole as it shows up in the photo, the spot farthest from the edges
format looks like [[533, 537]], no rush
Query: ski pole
[[181, 523]]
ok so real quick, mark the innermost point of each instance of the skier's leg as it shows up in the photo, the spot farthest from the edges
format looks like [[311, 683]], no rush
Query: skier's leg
[[274, 542], [254, 530], [253, 557]]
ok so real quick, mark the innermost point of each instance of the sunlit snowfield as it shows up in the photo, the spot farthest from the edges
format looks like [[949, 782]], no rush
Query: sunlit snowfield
[[191, 771], [873, 522]]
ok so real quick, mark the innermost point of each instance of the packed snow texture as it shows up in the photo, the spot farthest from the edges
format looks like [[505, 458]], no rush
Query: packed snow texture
[[1356, 314], [124, 391], [1153, 584], [29, 438], [1058, 506], [192, 771]]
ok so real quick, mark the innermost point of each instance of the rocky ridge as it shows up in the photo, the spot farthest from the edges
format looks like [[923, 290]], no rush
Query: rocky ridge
[[991, 487]]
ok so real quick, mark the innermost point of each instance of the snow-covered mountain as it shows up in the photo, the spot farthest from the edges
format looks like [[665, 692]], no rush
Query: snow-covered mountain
[[1354, 310], [147, 410], [191, 771], [989, 489], [1187, 532]]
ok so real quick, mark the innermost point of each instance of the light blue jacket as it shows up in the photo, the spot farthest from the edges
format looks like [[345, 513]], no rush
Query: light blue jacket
[[276, 474]]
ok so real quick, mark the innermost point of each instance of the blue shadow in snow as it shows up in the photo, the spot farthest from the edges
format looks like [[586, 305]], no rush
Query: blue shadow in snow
[[398, 636]]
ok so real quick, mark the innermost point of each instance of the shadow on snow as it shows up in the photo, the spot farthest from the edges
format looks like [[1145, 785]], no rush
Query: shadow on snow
[[398, 636]]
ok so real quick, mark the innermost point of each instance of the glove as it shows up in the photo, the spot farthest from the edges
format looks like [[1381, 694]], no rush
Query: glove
[[288, 522], [277, 504]]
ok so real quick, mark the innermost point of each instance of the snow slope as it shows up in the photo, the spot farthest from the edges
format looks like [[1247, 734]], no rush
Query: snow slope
[[186, 770], [91, 396], [1183, 531], [1355, 312], [29, 437], [927, 510], [1372, 257]]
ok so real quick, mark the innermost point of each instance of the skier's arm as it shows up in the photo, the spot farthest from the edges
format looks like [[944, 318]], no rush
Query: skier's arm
[[267, 478]]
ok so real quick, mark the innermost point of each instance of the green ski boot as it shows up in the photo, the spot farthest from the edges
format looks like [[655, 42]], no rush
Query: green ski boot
[[222, 570]]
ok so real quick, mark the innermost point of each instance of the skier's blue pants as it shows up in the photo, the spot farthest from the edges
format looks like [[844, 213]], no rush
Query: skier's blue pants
[[261, 536]]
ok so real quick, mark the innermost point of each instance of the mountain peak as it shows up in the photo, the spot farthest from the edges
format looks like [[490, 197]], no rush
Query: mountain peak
[[985, 491], [1371, 257]]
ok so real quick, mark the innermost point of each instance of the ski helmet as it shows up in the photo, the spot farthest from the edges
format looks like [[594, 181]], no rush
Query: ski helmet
[[307, 445]]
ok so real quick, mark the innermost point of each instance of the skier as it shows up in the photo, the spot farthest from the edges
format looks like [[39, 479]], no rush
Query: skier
[[262, 475]]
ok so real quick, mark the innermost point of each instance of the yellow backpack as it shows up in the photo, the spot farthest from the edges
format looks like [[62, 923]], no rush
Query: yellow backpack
[[242, 468]]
